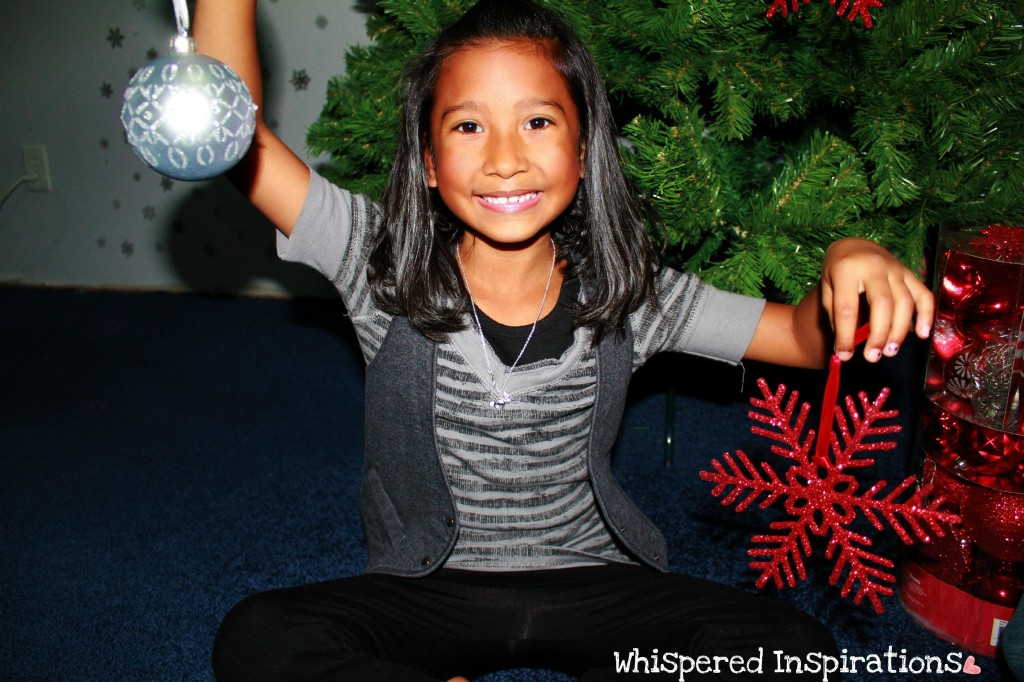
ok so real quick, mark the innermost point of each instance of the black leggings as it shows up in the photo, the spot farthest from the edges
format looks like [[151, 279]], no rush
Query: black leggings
[[576, 620]]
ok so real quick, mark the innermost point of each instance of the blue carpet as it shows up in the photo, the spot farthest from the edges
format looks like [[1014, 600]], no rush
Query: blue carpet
[[164, 455]]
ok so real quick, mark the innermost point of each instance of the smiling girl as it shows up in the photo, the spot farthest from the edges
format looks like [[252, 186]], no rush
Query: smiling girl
[[503, 292]]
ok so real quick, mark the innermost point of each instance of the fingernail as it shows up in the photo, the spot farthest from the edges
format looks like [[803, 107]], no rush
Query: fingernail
[[844, 355], [892, 349], [925, 332], [873, 355]]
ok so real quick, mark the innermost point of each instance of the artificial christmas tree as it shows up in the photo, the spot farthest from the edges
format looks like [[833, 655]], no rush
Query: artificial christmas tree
[[759, 140]]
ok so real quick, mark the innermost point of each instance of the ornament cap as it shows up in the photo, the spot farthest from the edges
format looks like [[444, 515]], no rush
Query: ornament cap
[[183, 44]]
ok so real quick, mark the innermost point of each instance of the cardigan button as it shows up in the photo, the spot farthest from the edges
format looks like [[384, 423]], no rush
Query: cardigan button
[[426, 561], [449, 521]]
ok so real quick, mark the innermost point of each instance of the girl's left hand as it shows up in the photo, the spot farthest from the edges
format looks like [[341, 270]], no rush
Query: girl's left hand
[[855, 267]]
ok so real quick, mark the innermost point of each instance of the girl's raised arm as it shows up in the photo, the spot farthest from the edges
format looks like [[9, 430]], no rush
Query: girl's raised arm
[[271, 175]]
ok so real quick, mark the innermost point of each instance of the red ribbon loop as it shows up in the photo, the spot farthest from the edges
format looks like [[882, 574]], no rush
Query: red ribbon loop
[[831, 400]]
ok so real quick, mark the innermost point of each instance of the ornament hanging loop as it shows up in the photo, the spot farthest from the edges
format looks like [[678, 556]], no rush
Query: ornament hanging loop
[[831, 400], [182, 43]]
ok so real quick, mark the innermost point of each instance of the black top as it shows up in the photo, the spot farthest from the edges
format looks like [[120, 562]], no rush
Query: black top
[[552, 338]]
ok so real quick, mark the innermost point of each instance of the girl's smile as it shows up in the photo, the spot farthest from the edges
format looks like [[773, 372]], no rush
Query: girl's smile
[[512, 202], [504, 151]]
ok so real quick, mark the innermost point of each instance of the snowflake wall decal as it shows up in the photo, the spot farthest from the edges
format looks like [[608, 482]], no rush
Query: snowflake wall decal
[[300, 79], [821, 497], [115, 38]]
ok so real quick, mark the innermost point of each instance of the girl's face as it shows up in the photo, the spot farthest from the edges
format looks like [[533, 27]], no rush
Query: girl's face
[[505, 151]]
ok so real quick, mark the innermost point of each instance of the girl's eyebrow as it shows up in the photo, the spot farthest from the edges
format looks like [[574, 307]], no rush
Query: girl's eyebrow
[[474, 106], [468, 106], [539, 102]]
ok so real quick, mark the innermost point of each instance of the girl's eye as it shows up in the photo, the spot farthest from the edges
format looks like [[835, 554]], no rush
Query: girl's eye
[[538, 123], [467, 127]]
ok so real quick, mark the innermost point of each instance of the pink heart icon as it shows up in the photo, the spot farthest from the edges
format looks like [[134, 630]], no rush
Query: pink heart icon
[[970, 667]]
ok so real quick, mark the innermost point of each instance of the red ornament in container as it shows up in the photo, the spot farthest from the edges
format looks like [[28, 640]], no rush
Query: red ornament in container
[[975, 367], [964, 587]]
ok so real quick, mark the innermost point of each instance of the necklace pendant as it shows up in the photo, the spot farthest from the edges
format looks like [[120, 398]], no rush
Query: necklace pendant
[[504, 397]]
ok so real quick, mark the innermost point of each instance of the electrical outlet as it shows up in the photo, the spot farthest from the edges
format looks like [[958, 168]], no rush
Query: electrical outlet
[[37, 165]]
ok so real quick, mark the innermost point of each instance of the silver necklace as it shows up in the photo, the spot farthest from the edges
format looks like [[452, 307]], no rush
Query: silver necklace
[[501, 396]]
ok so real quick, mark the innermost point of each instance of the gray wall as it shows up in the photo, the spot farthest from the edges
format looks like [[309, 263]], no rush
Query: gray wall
[[110, 221]]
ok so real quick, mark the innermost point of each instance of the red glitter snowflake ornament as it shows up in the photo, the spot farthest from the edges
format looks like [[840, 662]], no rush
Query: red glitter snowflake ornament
[[819, 496], [857, 8]]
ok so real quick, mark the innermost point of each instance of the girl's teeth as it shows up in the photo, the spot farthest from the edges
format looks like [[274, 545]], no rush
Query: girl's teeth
[[510, 200]]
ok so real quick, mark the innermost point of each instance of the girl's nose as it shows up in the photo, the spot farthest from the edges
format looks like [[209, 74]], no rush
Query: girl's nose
[[505, 156]]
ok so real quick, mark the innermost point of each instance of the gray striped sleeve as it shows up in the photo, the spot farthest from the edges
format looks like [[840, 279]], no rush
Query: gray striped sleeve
[[333, 236], [322, 233], [690, 316]]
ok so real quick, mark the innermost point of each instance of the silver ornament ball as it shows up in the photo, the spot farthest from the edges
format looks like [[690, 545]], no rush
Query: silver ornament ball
[[188, 116]]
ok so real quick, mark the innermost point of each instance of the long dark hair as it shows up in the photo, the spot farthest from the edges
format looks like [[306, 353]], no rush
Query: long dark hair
[[411, 268]]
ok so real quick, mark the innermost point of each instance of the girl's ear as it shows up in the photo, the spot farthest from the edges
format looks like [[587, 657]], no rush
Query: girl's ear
[[583, 160], [428, 164]]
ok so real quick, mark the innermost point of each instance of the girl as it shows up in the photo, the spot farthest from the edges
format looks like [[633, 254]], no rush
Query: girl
[[503, 294]]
